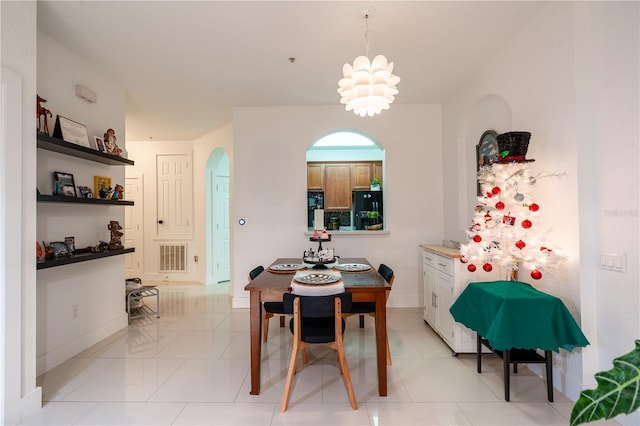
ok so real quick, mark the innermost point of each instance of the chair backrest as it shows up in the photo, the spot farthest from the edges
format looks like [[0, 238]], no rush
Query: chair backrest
[[314, 317], [255, 272], [387, 273], [317, 306]]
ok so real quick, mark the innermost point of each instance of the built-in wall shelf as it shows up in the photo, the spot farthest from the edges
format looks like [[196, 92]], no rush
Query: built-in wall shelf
[[64, 199], [83, 257], [58, 145]]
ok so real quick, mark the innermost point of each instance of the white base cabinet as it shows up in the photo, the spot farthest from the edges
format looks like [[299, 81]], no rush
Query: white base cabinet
[[444, 278]]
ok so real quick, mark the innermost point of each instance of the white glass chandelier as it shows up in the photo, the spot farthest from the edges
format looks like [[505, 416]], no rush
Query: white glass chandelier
[[368, 87]]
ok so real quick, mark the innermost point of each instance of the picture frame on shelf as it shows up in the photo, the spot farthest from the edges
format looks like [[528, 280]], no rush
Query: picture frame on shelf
[[99, 144], [71, 131], [486, 153], [59, 248], [64, 185], [71, 244], [101, 183], [85, 192]]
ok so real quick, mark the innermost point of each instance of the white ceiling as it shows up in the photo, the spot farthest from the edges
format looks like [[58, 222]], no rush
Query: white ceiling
[[186, 64]]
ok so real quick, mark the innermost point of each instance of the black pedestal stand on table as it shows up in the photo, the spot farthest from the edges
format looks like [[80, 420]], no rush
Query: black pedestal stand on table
[[319, 264]]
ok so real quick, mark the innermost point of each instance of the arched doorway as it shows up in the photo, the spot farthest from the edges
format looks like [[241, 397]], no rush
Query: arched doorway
[[217, 217]]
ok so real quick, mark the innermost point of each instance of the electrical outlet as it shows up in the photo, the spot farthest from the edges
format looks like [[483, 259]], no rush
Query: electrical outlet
[[75, 310]]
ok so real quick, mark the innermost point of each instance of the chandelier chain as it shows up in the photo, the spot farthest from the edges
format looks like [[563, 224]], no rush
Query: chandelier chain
[[366, 34]]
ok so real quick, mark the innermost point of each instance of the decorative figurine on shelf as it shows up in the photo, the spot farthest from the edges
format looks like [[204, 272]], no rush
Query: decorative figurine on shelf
[[43, 112], [116, 235], [111, 144], [118, 190], [98, 248], [105, 193], [85, 191]]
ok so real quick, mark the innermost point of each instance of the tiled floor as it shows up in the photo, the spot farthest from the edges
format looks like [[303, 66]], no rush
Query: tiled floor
[[191, 367]]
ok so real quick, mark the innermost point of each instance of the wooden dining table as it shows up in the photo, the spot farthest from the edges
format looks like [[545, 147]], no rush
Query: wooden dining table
[[367, 286]]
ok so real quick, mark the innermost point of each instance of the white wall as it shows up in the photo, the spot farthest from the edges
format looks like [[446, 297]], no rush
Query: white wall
[[269, 189], [570, 77], [20, 396], [607, 67], [96, 287]]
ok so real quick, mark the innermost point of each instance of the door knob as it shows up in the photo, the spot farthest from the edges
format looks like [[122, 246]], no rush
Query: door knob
[[160, 221]]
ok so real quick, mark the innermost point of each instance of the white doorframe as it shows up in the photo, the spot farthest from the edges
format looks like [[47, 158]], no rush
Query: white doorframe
[[217, 165], [10, 256]]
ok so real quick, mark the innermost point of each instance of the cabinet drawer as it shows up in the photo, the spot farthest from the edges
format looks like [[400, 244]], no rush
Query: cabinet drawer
[[429, 259], [444, 265]]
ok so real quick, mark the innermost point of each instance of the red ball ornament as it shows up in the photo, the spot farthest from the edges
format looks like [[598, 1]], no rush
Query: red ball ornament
[[463, 259], [534, 207], [526, 224], [500, 205], [477, 238], [471, 267], [495, 190], [489, 195], [520, 244], [487, 267], [536, 275]]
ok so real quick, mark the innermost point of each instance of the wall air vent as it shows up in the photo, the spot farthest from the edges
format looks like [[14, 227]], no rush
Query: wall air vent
[[173, 258]]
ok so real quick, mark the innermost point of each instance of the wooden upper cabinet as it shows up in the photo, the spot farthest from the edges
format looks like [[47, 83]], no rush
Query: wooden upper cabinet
[[376, 171], [361, 175], [315, 176], [337, 186]]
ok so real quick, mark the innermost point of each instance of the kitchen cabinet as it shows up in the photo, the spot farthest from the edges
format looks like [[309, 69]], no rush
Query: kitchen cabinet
[[376, 171], [444, 278], [315, 176], [337, 186], [361, 176], [48, 143]]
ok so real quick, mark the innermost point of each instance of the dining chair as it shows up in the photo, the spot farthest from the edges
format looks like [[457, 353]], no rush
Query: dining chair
[[269, 309], [363, 308], [317, 320]]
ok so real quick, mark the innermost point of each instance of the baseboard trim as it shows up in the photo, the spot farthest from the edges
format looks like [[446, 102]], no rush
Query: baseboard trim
[[31, 402]]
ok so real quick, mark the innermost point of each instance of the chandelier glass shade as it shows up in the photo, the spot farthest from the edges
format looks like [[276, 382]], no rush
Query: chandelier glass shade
[[368, 87]]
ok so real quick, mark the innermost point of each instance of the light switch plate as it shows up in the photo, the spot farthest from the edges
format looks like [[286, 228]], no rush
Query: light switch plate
[[613, 262]]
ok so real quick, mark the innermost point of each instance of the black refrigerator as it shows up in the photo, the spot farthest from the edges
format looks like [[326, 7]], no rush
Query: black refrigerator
[[367, 209]]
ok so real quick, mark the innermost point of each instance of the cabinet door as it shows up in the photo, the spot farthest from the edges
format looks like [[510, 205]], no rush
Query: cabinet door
[[315, 176], [361, 176], [445, 300], [337, 193], [430, 296], [376, 171]]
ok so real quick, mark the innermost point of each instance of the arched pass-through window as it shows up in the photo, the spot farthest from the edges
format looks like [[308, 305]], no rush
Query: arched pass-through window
[[345, 190]]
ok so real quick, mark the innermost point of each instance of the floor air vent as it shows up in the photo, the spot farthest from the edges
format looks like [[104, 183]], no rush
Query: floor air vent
[[173, 258]]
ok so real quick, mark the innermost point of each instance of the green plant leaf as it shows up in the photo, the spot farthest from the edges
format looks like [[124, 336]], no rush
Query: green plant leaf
[[618, 391]]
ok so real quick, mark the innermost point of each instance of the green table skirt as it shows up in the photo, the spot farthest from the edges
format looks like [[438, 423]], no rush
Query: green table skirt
[[512, 314]]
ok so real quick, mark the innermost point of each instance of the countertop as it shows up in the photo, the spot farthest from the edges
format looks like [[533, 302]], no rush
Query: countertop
[[441, 250]]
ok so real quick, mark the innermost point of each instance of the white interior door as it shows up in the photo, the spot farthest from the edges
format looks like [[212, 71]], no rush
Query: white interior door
[[221, 232], [133, 226], [174, 210]]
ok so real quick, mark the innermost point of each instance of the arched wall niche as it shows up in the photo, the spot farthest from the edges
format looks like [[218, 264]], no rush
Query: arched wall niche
[[489, 112]]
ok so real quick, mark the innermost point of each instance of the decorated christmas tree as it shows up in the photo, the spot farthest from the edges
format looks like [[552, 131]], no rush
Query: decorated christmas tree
[[506, 230]]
